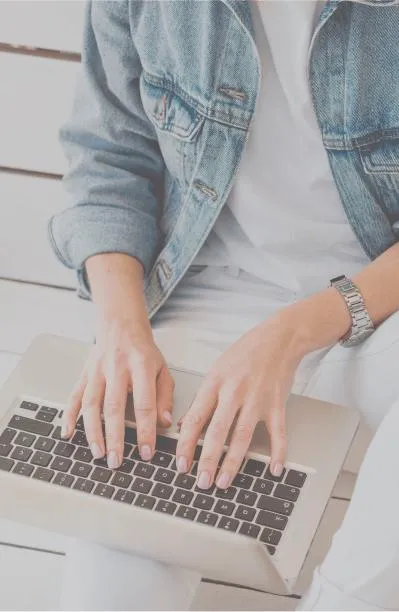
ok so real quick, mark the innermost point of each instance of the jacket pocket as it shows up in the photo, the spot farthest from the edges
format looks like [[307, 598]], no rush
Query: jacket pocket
[[177, 125], [380, 163]]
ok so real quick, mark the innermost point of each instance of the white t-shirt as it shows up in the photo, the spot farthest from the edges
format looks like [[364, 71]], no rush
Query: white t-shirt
[[284, 221]]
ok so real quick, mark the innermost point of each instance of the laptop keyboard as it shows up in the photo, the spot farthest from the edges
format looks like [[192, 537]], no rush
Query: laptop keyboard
[[257, 504]]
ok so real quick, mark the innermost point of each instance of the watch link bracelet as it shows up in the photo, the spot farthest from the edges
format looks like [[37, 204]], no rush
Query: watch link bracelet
[[362, 325]]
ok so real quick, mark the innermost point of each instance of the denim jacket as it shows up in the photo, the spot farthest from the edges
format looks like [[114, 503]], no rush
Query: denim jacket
[[163, 110]]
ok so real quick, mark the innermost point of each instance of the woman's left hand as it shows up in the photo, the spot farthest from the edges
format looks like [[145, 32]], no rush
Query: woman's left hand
[[251, 382]]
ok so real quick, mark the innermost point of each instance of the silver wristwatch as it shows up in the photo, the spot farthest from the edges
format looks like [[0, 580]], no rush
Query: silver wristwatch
[[362, 325]]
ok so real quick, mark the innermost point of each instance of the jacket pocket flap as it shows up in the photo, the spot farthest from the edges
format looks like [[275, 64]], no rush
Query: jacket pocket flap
[[382, 158]]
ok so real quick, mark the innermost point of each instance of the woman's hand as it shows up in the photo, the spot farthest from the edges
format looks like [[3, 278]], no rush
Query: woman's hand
[[124, 357], [251, 382]]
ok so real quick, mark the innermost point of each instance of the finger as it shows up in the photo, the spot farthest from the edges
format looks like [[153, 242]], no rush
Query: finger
[[92, 403], [72, 410], [145, 409], [278, 438], [215, 438], [114, 415], [165, 387], [238, 447], [193, 423]]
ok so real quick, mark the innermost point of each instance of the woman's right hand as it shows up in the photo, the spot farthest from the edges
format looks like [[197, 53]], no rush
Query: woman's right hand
[[125, 357]]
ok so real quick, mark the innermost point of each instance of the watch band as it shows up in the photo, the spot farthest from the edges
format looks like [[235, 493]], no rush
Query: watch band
[[362, 325]]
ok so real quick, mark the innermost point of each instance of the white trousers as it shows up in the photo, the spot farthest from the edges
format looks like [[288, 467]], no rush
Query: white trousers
[[361, 569]]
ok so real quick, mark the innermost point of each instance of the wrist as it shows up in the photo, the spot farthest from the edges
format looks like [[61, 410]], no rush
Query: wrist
[[319, 320]]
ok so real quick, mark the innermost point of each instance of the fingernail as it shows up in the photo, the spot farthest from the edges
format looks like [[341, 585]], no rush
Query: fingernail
[[223, 481], [204, 480], [182, 464], [277, 469], [64, 430], [167, 416], [96, 450], [113, 460], [145, 452]]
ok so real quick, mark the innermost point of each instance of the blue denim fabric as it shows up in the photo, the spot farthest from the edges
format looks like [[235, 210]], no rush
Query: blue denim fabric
[[163, 110]]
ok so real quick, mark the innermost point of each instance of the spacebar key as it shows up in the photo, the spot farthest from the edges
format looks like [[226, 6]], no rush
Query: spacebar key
[[30, 425]]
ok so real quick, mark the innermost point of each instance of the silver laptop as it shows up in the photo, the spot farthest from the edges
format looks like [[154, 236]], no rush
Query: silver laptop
[[257, 533]]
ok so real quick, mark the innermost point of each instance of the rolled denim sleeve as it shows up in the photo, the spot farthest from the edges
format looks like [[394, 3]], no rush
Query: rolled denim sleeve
[[115, 168]]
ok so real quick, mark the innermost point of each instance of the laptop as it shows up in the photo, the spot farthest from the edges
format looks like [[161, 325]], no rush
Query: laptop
[[256, 533]]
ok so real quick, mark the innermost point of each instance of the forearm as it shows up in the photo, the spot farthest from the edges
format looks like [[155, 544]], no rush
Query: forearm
[[117, 288], [323, 318]]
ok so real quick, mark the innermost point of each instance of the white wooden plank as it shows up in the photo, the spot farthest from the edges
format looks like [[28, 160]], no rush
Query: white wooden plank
[[49, 24], [29, 580], [27, 310], [25, 251], [36, 101]]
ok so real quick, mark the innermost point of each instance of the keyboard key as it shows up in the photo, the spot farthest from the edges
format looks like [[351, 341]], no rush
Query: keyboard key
[[44, 416], [82, 484], [102, 462], [8, 435], [57, 433], [5, 449], [104, 490], [145, 501], [243, 481], [208, 491], [288, 493], [163, 475], [161, 459], [130, 435], [29, 406], [41, 458], [165, 506], [224, 507], [44, 444], [263, 486], [30, 425], [81, 469], [83, 454], [6, 464], [65, 480], [271, 519], [127, 497], [249, 529], [270, 476], [270, 536], [21, 453], [24, 469], [163, 491], [197, 453], [194, 468], [246, 497], [61, 464], [126, 466], [144, 469], [245, 513], [141, 486], [229, 524], [136, 454], [48, 410], [254, 468], [127, 449], [186, 512], [64, 449], [182, 496], [43, 474], [205, 502], [271, 549], [207, 518], [121, 480], [228, 493], [166, 444], [80, 425], [80, 439], [184, 481], [295, 478], [25, 439], [275, 505], [101, 474]]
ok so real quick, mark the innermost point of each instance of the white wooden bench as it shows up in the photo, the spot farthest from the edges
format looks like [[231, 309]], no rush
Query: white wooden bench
[[39, 60]]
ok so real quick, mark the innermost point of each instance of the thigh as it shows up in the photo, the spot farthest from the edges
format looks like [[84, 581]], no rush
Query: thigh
[[365, 377]]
